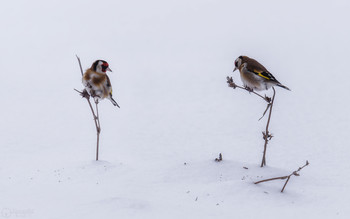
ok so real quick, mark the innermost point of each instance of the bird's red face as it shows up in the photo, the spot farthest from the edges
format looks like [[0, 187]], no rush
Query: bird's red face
[[105, 67]]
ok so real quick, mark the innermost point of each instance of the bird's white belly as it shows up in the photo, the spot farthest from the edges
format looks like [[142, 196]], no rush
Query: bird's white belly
[[254, 82]]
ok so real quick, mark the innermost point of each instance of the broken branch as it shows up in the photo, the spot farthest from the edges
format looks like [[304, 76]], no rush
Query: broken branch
[[266, 135], [234, 86], [295, 173], [86, 95]]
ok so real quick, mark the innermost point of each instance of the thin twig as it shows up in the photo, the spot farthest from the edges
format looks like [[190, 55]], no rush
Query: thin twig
[[219, 159], [98, 129], [267, 136], [234, 86], [86, 95], [295, 173], [266, 180], [285, 184], [81, 68], [97, 114], [267, 107]]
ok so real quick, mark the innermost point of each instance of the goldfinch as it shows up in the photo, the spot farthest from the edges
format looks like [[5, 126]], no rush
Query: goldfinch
[[97, 83], [254, 75]]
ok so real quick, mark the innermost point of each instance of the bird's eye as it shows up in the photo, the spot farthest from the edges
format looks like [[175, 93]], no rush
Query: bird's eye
[[236, 63]]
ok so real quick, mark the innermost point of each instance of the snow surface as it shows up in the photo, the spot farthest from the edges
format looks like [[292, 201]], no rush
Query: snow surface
[[170, 60]]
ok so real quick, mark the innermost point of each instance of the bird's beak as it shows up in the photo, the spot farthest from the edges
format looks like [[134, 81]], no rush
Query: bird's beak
[[108, 69], [234, 69]]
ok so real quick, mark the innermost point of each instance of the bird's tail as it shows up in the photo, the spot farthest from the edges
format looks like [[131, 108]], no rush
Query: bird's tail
[[281, 85], [114, 102]]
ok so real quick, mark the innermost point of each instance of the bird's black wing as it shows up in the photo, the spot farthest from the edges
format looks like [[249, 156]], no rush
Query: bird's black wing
[[264, 74]]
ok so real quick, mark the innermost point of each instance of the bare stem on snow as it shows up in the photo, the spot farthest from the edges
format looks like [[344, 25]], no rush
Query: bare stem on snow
[[295, 173], [86, 95], [266, 135]]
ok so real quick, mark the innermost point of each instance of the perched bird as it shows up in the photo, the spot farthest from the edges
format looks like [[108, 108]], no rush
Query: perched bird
[[97, 83], [254, 75]]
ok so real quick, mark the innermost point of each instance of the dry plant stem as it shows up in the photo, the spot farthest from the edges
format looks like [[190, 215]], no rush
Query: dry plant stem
[[295, 173], [96, 119], [219, 159], [267, 108], [234, 86], [285, 184], [267, 135], [85, 95], [81, 68], [98, 130]]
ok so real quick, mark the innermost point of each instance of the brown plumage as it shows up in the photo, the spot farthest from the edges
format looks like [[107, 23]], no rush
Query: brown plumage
[[253, 64], [97, 82], [254, 75]]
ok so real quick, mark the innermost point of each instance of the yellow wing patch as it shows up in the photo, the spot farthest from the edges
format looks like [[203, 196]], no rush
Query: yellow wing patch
[[260, 73]]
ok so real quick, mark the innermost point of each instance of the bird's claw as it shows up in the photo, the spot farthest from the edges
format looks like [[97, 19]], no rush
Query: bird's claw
[[268, 99], [85, 94], [248, 88]]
